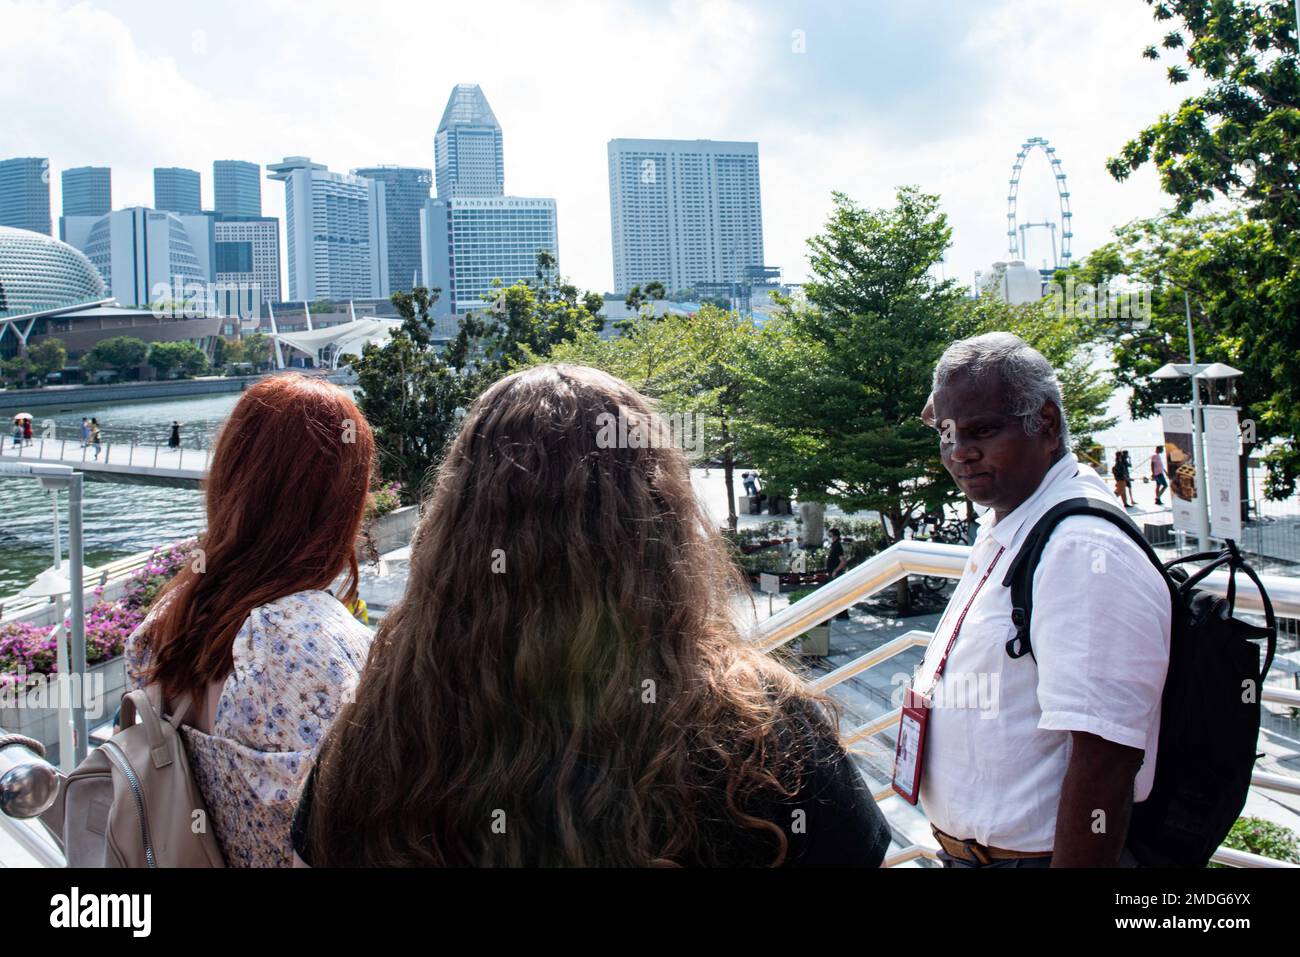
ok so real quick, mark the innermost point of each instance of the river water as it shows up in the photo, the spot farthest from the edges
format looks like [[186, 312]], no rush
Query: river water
[[118, 520]]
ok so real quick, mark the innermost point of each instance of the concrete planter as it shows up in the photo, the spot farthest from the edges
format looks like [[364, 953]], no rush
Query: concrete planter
[[388, 532], [43, 723], [816, 641]]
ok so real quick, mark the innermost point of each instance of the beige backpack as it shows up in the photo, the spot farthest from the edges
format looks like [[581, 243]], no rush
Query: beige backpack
[[133, 802]]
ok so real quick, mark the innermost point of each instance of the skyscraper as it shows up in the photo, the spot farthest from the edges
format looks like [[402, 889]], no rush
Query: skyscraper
[[336, 232], [145, 254], [176, 190], [248, 251], [87, 191], [406, 190], [25, 194], [473, 233], [472, 240], [684, 212], [467, 147], [236, 188]]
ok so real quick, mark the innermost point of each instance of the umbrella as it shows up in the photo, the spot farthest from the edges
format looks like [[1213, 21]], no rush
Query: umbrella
[[54, 582], [22, 415]]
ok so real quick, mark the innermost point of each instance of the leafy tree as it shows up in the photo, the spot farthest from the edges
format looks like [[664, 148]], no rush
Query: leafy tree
[[194, 361], [47, 356], [1238, 136], [694, 366], [838, 384], [257, 349], [1237, 140], [409, 394], [15, 369], [527, 320], [637, 297], [169, 357], [119, 353], [414, 395]]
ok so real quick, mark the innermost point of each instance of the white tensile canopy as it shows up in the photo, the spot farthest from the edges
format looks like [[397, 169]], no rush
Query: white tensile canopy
[[346, 338]]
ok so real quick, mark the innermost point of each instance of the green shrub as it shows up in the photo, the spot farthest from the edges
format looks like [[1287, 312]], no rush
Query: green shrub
[[1258, 836]]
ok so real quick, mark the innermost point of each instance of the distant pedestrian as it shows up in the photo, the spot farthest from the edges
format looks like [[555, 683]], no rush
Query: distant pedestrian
[[836, 563], [748, 479], [1128, 469], [1158, 473], [85, 432], [174, 440], [18, 432], [95, 438], [27, 431], [1120, 470]]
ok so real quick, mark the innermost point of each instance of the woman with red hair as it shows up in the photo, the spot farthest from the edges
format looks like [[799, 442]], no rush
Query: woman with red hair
[[248, 634]]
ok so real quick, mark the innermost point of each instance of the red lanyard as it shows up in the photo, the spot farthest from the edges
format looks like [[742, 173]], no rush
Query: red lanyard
[[938, 671]]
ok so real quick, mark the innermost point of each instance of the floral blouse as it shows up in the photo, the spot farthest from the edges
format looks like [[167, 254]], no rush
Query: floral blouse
[[297, 660]]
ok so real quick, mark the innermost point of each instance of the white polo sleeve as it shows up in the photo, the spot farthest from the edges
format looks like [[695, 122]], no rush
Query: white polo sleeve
[[1100, 633]]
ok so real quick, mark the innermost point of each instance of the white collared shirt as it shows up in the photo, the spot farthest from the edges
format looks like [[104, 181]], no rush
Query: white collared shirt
[[998, 740]]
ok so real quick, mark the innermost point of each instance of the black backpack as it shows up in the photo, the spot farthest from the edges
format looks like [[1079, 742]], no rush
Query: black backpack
[[1210, 710]]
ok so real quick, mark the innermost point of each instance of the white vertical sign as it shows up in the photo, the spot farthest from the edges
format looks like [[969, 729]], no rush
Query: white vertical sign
[[1180, 464], [1222, 471]]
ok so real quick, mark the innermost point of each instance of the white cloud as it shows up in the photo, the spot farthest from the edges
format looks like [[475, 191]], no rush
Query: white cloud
[[885, 95]]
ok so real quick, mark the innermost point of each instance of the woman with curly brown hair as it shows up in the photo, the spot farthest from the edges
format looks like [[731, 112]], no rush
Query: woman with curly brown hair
[[563, 683]]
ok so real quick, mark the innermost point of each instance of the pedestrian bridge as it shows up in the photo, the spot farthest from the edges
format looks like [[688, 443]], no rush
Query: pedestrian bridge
[[124, 463]]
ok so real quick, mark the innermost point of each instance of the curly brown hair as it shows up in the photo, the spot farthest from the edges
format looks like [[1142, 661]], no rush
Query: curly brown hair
[[563, 682]]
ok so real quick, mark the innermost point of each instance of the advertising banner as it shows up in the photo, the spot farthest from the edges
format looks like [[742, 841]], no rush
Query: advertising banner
[[1180, 464], [1222, 470]]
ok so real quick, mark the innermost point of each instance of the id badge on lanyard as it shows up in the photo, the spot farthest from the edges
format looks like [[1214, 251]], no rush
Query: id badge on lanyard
[[909, 752]]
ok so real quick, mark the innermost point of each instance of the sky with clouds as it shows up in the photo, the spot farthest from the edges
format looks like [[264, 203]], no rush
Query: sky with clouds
[[860, 97]]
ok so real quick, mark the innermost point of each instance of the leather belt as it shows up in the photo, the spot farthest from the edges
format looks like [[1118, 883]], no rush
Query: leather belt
[[970, 850]]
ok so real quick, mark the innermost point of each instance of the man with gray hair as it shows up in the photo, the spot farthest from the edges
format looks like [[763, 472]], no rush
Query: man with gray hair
[[1048, 774]]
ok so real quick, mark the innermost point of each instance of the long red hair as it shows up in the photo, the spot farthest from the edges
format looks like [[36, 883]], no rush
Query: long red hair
[[285, 495]]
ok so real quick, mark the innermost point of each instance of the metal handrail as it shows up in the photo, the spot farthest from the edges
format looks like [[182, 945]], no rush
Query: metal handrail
[[28, 786], [911, 557]]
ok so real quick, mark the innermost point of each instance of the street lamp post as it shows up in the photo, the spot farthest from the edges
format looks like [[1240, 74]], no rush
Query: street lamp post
[[56, 478], [1194, 371], [1198, 427]]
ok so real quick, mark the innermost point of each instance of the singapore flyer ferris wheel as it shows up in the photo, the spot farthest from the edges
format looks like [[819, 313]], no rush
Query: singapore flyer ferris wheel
[[1061, 229]]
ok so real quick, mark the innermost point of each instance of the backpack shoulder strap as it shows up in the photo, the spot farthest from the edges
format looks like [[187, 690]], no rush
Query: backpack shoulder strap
[[1020, 576]]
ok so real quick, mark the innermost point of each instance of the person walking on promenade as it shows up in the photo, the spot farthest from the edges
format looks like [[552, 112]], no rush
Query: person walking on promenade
[[27, 431], [563, 683], [85, 431], [1119, 468], [253, 637], [174, 440], [1128, 470], [94, 437], [18, 433], [1022, 757], [836, 563], [1158, 473]]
